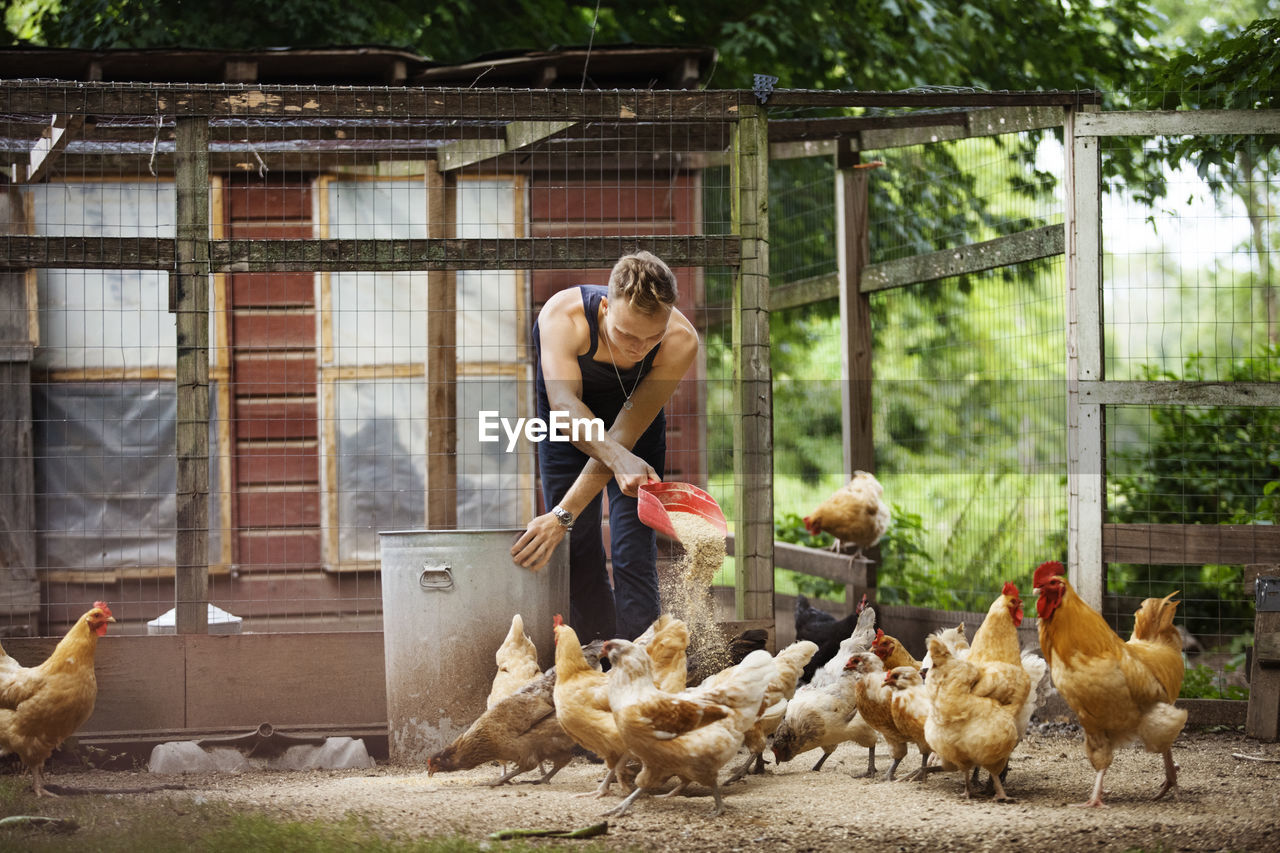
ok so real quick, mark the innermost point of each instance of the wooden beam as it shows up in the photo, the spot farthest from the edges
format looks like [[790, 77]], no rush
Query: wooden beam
[[442, 359], [234, 256], [1043, 242], [305, 102], [1181, 393], [519, 135], [818, 562], [190, 301], [1085, 425], [49, 147], [1190, 544], [786, 98], [753, 379], [1177, 123]]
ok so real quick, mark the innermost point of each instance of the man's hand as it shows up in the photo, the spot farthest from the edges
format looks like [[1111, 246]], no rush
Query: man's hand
[[534, 548], [632, 472]]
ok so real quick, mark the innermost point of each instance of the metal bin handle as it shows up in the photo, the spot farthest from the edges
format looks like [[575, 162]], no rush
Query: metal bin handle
[[436, 577]]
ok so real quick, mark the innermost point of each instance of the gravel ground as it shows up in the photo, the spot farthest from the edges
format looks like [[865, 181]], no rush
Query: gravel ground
[[1225, 803]]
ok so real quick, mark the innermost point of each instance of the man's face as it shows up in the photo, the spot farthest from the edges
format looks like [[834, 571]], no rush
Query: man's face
[[633, 333]]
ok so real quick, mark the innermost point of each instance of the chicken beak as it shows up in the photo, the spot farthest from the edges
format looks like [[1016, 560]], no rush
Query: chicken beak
[[111, 618]]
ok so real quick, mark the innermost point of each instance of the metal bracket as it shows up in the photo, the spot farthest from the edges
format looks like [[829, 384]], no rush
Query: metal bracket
[[762, 86], [1267, 594]]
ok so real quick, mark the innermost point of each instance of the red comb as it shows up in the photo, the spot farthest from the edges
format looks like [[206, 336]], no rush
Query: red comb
[[1045, 571], [879, 634], [557, 620], [102, 605], [1010, 588]]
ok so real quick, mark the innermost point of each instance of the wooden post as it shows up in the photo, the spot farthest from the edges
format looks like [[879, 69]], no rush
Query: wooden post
[[1085, 425], [189, 298], [1263, 717], [753, 378], [442, 359], [853, 252], [19, 589]]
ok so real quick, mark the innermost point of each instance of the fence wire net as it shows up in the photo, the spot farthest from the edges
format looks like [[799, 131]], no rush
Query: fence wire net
[[326, 422], [1189, 294]]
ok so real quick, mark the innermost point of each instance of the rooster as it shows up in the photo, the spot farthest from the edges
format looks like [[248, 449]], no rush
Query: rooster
[[582, 706], [517, 660], [691, 734], [856, 514], [42, 706], [1120, 691]]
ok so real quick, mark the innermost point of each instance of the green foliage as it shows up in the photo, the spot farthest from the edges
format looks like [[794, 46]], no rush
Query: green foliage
[[1205, 682]]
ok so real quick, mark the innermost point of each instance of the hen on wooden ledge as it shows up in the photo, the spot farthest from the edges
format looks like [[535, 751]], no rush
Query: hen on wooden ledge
[[856, 514]]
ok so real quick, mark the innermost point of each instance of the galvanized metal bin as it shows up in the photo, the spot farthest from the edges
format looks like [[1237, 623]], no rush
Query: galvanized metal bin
[[447, 601]]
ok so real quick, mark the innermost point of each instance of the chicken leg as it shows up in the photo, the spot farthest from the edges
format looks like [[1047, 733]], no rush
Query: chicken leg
[[1170, 776]]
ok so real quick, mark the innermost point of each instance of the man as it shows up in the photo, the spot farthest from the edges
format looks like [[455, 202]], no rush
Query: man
[[616, 353]]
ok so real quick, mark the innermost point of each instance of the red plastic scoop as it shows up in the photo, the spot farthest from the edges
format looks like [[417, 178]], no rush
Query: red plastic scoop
[[659, 500]]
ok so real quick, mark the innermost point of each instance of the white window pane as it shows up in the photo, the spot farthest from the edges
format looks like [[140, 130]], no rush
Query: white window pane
[[105, 319], [381, 434], [489, 493]]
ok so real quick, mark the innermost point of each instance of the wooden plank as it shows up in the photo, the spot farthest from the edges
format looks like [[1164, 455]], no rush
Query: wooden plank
[[190, 301], [753, 391], [806, 291], [1085, 425], [1181, 393], [272, 550], [47, 150], [275, 328], [250, 679], [275, 418], [308, 102], [519, 135], [1044, 242], [277, 289], [19, 588], [274, 200], [442, 360], [1191, 544], [274, 374], [818, 562], [140, 679], [941, 97], [261, 507], [278, 462], [1177, 123], [251, 256]]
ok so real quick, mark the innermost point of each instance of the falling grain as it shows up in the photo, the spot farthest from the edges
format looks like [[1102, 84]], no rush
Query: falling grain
[[687, 594]]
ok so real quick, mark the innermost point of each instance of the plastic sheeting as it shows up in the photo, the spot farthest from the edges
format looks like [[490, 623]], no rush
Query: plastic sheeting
[[106, 475]]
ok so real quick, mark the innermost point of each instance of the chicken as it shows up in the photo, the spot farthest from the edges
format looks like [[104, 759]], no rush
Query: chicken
[[856, 514], [1121, 691], [997, 651], [829, 634], [823, 718], [42, 706], [909, 706], [956, 641], [967, 729], [582, 706], [864, 634], [667, 642], [874, 702], [790, 662], [691, 734], [517, 660], [521, 729], [891, 652]]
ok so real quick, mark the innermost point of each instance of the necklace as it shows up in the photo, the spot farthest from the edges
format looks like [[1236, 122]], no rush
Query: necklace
[[626, 403]]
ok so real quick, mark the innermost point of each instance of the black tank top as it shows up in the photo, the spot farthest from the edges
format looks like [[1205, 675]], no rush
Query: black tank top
[[602, 388]]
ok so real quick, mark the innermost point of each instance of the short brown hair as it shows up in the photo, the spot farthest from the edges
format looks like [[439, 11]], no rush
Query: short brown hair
[[644, 282]]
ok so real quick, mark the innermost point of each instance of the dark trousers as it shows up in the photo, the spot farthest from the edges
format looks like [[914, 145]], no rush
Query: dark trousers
[[595, 609]]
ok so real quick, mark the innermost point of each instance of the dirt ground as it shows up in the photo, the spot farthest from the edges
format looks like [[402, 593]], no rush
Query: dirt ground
[[1226, 803]]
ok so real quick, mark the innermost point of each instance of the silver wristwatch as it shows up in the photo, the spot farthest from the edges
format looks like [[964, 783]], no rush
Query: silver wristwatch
[[563, 516]]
